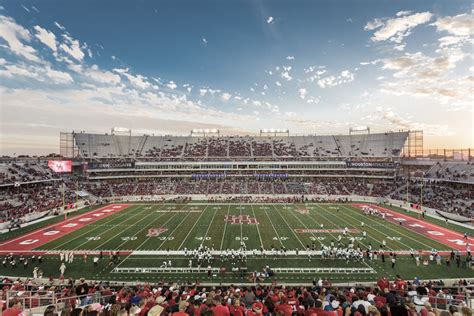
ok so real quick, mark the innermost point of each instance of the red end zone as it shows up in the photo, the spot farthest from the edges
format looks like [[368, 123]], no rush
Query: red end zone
[[442, 235], [39, 237]]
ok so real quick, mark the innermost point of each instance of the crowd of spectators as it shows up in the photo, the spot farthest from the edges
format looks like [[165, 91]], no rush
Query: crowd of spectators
[[449, 197], [30, 171], [17, 201], [395, 298]]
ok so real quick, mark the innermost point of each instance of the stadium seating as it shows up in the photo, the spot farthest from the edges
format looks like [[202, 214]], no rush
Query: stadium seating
[[164, 147], [386, 297]]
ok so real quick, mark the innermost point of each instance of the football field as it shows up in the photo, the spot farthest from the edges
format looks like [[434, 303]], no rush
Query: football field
[[286, 237]]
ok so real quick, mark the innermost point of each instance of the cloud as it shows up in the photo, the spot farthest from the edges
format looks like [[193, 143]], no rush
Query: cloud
[[202, 92], [302, 92], [59, 76], [59, 26], [459, 25], [172, 85], [25, 8], [46, 37], [98, 75], [278, 83], [269, 19], [226, 96], [204, 41], [41, 74], [13, 33], [396, 29], [72, 47], [290, 57], [332, 81]]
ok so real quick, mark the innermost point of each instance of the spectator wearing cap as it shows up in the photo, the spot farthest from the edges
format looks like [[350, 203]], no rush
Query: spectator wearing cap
[[257, 309]]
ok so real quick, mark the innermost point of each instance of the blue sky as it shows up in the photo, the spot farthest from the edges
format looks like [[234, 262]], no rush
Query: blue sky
[[165, 67]]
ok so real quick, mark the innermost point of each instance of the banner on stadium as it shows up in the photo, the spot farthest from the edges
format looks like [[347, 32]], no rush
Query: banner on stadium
[[271, 175], [111, 165], [60, 166], [371, 164], [207, 175]]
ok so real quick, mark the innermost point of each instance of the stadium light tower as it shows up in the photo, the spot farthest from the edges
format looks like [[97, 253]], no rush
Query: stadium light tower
[[274, 131], [359, 129], [205, 132]]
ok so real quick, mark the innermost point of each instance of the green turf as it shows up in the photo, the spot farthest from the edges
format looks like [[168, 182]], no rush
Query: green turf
[[189, 225]]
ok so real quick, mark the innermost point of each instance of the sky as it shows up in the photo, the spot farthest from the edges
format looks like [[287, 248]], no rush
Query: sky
[[168, 66]]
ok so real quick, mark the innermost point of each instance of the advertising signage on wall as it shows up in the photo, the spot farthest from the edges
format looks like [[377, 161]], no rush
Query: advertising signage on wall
[[371, 164], [111, 165]]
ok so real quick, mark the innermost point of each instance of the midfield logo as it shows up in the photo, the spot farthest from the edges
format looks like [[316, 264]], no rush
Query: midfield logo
[[303, 211], [241, 219], [153, 232]]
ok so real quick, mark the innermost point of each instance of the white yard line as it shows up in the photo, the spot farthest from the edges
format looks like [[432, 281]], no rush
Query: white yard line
[[274, 229], [225, 228], [324, 210], [289, 227], [392, 229], [209, 227], [129, 226], [91, 231], [136, 248], [258, 230], [177, 226], [312, 234], [192, 228]]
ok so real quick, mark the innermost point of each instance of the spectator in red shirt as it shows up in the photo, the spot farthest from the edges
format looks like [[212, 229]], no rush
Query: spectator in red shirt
[[383, 283], [257, 309], [221, 308], [237, 309], [284, 307], [15, 308]]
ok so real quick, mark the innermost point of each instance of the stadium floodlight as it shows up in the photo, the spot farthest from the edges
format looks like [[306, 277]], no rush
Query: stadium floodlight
[[205, 131], [359, 129], [274, 131]]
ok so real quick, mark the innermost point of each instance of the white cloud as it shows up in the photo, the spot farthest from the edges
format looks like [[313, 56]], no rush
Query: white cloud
[[59, 26], [72, 47], [204, 41], [172, 85], [226, 96], [101, 76], [13, 33], [269, 19], [25, 8], [286, 75], [202, 92], [278, 83], [302, 92], [12, 71], [396, 29], [332, 81], [459, 25], [46, 37], [290, 57], [59, 76], [403, 13]]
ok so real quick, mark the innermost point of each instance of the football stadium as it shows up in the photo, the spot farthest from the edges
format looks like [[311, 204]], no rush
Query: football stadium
[[195, 208]]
